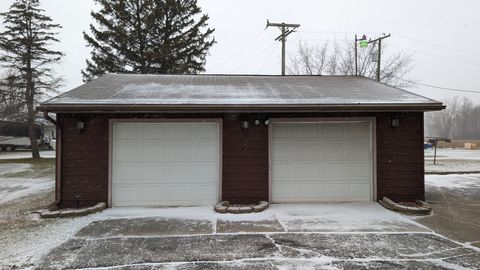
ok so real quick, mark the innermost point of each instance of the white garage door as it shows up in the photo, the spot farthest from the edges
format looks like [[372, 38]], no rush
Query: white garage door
[[314, 162], [165, 164]]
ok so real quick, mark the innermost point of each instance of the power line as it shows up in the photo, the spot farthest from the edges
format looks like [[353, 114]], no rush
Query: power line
[[241, 50], [266, 60], [440, 87], [438, 45], [436, 55], [253, 58]]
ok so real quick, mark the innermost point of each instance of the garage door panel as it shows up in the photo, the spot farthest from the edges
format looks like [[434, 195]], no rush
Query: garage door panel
[[154, 131], [282, 130], [357, 130], [127, 151], [321, 162], [363, 170], [308, 170], [154, 151], [172, 165], [333, 170], [333, 130], [205, 131], [306, 130], [335, 190], [358, 151], [126, 131], [332, 150], [360, 191]]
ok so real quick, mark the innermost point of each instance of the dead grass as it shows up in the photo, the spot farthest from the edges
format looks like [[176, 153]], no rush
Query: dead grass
[[457, 143]]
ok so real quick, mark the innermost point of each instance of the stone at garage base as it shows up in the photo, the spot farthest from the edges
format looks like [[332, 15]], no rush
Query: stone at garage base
[[56, 213], [225, 207], [420, 208]]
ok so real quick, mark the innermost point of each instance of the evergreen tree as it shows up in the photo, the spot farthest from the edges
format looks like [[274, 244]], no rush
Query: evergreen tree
[[24, 49], [148, 37]]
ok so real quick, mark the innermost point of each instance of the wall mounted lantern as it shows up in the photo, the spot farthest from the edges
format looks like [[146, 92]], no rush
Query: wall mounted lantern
[[80, 126], [395, 122], [245, 124]]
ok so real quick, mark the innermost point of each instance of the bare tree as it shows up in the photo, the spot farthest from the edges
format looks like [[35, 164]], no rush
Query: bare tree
[[460, 120], [339, 59]]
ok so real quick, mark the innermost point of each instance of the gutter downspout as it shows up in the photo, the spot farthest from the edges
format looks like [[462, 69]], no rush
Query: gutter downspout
[[58, 159]]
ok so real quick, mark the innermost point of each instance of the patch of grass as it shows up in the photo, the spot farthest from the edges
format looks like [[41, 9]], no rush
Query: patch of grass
[[28, 161]]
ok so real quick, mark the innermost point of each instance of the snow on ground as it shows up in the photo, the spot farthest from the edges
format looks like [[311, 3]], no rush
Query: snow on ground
[[452, 161], [326, 217], [15, 188], [13, 168], [446, 153], [26, 154], [33, 243], [464, 181]]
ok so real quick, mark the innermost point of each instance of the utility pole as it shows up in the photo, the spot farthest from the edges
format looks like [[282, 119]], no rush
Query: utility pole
[[287, 29], [379, 53], [364, 43]]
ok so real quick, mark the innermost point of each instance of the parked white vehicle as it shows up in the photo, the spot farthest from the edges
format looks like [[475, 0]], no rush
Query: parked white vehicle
[[14, 135], [9, 144]]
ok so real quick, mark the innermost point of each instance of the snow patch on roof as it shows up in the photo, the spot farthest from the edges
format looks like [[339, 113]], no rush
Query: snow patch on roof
[[241, 90]]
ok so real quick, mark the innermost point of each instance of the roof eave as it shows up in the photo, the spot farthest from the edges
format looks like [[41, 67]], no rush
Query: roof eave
[[91, 108]]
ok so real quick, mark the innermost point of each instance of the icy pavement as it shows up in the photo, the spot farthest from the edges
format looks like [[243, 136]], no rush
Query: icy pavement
[[455, 200], [283, 237], [255, 251]]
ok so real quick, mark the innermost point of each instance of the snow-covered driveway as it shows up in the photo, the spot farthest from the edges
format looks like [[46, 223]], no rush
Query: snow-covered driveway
[[318, 236]]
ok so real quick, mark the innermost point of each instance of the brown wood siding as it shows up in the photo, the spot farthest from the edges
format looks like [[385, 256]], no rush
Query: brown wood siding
[[84, 160], [245, 161], [245, 169], [400, 160]]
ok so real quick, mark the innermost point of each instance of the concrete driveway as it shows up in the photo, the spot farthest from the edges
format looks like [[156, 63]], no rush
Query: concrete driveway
[[455, 199], [318, 236]]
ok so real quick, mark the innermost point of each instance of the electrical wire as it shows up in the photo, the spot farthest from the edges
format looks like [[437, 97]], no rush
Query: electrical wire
[[253, 58], [240, 51], [440, 87], [266, 60], [436, 55], [436, 44]]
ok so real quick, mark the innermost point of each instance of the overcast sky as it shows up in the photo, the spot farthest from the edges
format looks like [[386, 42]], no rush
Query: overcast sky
[[444, 36]]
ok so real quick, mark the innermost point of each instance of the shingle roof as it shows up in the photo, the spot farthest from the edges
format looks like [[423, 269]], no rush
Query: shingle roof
[[227, 91]]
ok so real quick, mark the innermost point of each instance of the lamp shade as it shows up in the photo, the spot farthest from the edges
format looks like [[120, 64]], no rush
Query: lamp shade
[[363, 43]]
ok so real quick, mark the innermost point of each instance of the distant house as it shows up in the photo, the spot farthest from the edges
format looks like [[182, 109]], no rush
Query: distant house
[[158, 140]]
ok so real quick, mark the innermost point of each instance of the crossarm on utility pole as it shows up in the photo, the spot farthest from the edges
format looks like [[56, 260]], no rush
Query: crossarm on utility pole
[[287, 29]]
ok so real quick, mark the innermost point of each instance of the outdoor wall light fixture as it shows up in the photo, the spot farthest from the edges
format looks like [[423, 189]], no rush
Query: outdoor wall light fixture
[[395, 122], [257, 122], [267, 122], [80, 126], [245, 124]]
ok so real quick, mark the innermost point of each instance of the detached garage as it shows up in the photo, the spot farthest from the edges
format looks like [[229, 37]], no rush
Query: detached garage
[[171, 140]]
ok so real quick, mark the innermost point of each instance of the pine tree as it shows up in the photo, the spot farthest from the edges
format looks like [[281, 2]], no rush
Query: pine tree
[[148, 37], [24, 49]]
